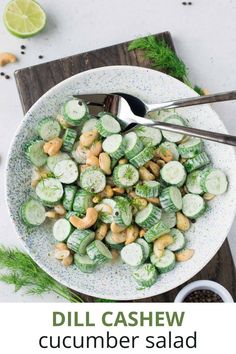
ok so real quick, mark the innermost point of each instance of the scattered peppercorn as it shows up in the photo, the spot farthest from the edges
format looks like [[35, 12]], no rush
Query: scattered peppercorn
[[193, 221], [2, 74], [189, 3], [7, 77], [23, 46], [184, 3], [40, 56], [203, 296], [22, 53]]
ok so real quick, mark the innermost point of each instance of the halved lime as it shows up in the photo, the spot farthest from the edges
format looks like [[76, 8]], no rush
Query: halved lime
[[24, 18]]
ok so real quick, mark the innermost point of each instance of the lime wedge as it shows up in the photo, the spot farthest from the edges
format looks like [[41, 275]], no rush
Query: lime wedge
[[24, 18]]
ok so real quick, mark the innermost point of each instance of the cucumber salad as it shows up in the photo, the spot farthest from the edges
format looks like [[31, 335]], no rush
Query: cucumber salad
[[116, 196]]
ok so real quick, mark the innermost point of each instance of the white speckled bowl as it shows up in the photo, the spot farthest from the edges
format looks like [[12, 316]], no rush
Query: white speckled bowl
[[115, 281]]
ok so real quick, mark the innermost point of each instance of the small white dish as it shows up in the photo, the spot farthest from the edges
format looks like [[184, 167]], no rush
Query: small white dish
[[204, 285]]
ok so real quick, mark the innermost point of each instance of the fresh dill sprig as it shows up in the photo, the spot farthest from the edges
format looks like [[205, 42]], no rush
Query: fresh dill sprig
[[22, 272]]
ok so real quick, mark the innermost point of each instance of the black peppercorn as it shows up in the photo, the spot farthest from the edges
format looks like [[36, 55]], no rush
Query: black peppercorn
[[40, 57], [2, 73], [22, 53], [203, 296], [7, 77], [23, 46]]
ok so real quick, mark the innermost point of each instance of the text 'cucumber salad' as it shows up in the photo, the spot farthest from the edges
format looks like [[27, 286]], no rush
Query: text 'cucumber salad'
[[110, 196]]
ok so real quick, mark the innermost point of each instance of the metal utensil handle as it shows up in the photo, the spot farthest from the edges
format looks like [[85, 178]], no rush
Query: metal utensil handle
[[217, 137], [185, 102]]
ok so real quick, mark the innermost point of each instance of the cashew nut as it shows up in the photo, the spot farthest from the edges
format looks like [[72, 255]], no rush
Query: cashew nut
[[139, 203], [92, 161], [118, 190], [153, 200], [86, 222], [51, 214], [208, 196], [153, 167], [161, 163], [165, 154], [182, 222], [61, 254], [59, 209], [53, 146], [119, 237], [61, 246], [184, 255], [105, 163], [96, 199], [87, 138], [161, 243], [107, 192], [62, 121], [115, 255], [6, 58], [132, 233], [67, 261], [145, 175], [122, 161], [141, 233], [117, 228], [82, 168], [95, 149], [101, 232]]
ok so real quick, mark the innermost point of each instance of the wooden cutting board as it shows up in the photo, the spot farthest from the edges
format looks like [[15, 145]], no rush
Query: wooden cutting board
[[34, 81]]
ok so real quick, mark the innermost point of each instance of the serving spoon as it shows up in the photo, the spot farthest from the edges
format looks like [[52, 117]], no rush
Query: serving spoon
[[131, 111]]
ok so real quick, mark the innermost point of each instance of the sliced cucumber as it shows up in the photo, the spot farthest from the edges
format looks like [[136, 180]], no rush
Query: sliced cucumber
[[179, 240], [75, 112], [132, 254], [69, 139], [104, 215], [122, 212], [34, 152], [197, 162], [171, 199], [111, 243], [168, 218], [148, 189], [145, 275], [82, 201], [156, 231], [98, 252], [53, 160], [213, 181], [107, 125], [125, 175], [173, 173], [149, 135], [93, 180], [165, 263], [32, 212], [193, 206], [114, 146], [48, 128], [79, 155], [69, 196], [144, 156], [84, 263], [79, 240], [89, 125], [148, 216], [49, 191], [133, 145], [62, 229], [172, 147], [190, 148], [193, 182], [146, 247], [177, 120], [66, 171]]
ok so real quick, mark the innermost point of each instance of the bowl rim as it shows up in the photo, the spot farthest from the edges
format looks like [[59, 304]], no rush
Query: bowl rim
[[38, 261]]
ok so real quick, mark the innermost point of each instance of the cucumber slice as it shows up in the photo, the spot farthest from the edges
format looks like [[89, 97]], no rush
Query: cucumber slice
[[84, 263], [89, 125], [144, 156], [132, 254], [133, 145], [53, 160], [34, 152], [111, 243], [173, 173], [165, 263], [193, 182], [98, 252], [171, 199], [75, 112], [197, 162], [32, 212], [80, 155], [62, 229], [177, 120], [114, 146], [148, 216], [168, 218], [48, 128], [82, 201], [66, 171], [69, 139], [193, 206], [149, 136], [146, 247], [190, 148], [125, 175], [122, 212], [156, 231], [214, 181], [145, 275], [104, 216], [93, 180], [107, 125], [49, 191], [148, 189], [79, 240], [172, 147], [179, 240], [69, 196]]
